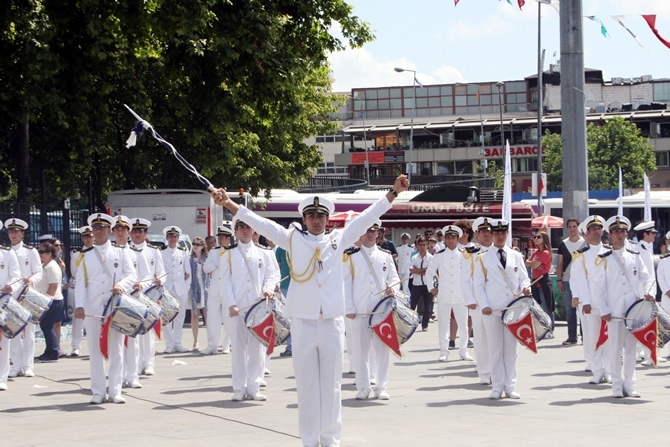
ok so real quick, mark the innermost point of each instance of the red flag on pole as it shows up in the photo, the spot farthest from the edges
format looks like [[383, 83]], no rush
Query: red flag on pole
[[266, 332], [648, 336], [456, 2], [387, 333], [604, 334], [524, 331], [158, 328], [651, 21], [104, 337], [521, 3]]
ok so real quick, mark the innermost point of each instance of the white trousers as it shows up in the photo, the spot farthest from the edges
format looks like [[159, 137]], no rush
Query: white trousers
[[351, 346], [318, 347], [444, 323], [217, 316], [131, 359], [172, 333], [502, 354], [665, 304], [4, 359], [97, 361], [22, 349], [621, 340], [247, 358], [595, 360], [77, 333], [147, 344], [372, 357], [481, 342]]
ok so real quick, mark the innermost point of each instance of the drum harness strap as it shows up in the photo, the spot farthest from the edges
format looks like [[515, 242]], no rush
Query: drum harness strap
[[507, 281], [251, 277], [104, 266], [372, 270], [625, 272]]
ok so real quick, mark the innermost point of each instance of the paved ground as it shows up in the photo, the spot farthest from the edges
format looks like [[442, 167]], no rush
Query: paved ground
[[432, 404]]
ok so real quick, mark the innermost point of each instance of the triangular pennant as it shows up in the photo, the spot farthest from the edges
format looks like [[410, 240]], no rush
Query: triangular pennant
[[158, 328], [125, 342], [266, 332], [521, 3], [456, 2], [648, 336], [104, 337], [524, 331], [387, 333], [651, 21], [604, 334]]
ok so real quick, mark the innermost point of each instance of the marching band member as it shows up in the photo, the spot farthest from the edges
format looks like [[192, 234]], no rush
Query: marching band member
[[587, 282], [247, 276], [177, 282], [153, 260], [315, 303], [217, 311], [448, 262], [627, 279], [663, 276], [370, 272], [404, 259], [646, 235], [86, 233], [10, 279], [22, 347], [499, 275], [482, 228], [102, 269]]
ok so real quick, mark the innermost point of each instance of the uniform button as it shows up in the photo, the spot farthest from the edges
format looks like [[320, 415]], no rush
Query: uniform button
[[319, 285]]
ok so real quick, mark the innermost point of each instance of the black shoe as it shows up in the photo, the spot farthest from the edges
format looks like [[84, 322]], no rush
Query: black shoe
[[286, 353], [452, 345], [424, 329], [470, 345], [570, 342]]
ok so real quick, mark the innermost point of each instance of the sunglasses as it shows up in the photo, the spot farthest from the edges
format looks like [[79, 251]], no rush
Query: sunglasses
[[537, 237], [42, 251], [197, 244]]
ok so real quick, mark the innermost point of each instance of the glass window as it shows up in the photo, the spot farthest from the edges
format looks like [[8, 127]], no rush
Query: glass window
[[383, 94], [445, 167], [422, 112], [427, 168], [384, 113], [447, 111], [661, 158], [486, 100], [408, 92], [395, 93], [409, 103], [525, 164], [515, 87], [461, 100], [472, 101], [383, 104], [421, 91], [395, 103], [461, 111], [446, 90], [396, 113], [485, 88], [463, 167], [435, 112], [370, 105], [371, 94], [662, 91], [434, 101], [460, 89], [422, 102], [447, 101], [433, 91], [472, 89]]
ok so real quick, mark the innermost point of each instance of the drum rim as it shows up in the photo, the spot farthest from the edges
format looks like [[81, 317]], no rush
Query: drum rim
[[637, 302], [374, 309], [246, 315]]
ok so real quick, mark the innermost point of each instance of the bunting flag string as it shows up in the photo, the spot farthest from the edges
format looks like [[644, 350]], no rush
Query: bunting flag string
[[603, 30], [651, 21], [620, 21]]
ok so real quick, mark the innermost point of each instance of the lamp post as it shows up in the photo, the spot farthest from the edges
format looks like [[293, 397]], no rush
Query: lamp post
[[540, 105], [500, 85], [481, 121], [365, 138], [411, 127]]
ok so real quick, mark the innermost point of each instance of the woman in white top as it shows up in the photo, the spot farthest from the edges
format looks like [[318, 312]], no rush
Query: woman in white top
[[51, 285], [199, 287]]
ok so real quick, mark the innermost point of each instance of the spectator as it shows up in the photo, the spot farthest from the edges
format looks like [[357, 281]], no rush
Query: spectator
[[432, 245], [211, 242], [50, 284], [386, 244], [440, 240], [565, 250], [421, 299], [199, 287], [540, 265]]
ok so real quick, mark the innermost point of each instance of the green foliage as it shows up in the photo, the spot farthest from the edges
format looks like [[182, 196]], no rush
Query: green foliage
[[615, 144], [497, 173], [236, 87]]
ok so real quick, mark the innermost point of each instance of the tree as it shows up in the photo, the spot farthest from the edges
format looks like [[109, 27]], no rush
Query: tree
[[235, 86], [615, 144]]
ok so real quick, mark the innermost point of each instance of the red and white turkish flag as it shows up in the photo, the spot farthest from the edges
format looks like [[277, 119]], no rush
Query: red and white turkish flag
[[604, 334], [266, 332], [524, 331], [386, 331], [104, 337], [648, 336]]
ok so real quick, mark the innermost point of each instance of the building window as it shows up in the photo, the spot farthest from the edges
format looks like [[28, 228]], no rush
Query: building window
[[331, 169], [525, 164], [661, 159], [662, 91], [464, 167], [445, 167]]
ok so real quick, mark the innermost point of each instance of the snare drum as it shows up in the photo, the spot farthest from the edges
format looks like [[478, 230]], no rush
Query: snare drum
[[17, 316], [128, 314], [154, 311], [405, 319], [3, 319], [258, 313], [403, 298], [168, 303], [520, 307], [642, 312], [36, 302]]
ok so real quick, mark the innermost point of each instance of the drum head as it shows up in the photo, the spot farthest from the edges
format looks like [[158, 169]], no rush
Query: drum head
[[520, 307], [17, 317], [258, 313], [640, 314], [405, 319]]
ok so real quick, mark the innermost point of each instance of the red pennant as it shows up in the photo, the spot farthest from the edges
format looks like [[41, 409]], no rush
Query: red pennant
[[604, 334], [387, 333], [125, 341], [158, 329], [524, 331], [648, 336], [521, 3], [104, 337], [456, 2], [266, 332], [651, 21]]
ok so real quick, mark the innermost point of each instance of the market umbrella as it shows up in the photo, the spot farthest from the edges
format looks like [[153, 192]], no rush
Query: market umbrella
[[339, 220], [547, 222]]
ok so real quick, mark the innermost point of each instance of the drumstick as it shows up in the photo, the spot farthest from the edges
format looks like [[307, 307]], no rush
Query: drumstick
[[152, 279], [368, 314], [392, 285], [504, 308]]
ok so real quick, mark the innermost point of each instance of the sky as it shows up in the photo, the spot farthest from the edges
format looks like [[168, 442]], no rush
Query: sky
[[491, 40]]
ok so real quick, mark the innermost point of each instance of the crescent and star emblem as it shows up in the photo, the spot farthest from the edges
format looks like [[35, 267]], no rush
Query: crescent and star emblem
[[381, 330], [653, 335], [266, 330], [520, 335]]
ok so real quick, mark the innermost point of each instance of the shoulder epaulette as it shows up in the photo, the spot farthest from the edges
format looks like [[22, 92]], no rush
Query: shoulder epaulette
[[182, 248], [233, 245], [606, 254], [352, 250], [384, 250], [665, 255], [632, 251], [473, 248], [584, 249], [164, 248], [441, 251], [84, 250], [29, 247], [607, 246], [5, 248], [643, 247], [114, 244], [139, 250], [155, 247], [74, 250], [262, 246], [218, 247]]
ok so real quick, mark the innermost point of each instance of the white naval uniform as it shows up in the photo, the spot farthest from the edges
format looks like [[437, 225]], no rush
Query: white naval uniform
[[77, 324], [177, 266], [217, 312], [663, 277], [479, 331], [247, 274], [622, 291], [315, 304], [154, 262], [492, 290], [366, 280], [448, 265], [22, 347], [10, 272], [404, 262], [92, 292], [131, 354], [587, 283]]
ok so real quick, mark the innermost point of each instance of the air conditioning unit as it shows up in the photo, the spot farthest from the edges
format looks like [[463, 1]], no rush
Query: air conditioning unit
[[637, 80], [646, 78], [627, 81], [617, 81]]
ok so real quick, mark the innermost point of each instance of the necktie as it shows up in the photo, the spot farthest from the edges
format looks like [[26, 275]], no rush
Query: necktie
[[422, 283], [503, 257]]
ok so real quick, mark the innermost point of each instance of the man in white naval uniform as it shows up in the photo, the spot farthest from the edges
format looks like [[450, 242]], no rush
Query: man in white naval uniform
[[10, 280], [22, 347], [587, 282], [370, 273], [404, 260], [178, 283], [154, 262], [627, 280], [500, 274], [103, 271], [217, 312], [447, 266], [131, 352], [482, 227], [646, 235], [315, 303], [247, 276], [86, 233], [663, 277]]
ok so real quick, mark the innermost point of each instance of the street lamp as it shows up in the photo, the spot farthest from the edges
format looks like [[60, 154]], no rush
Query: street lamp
[[500, 85], [411, 128], [540, 106], [482, 151], [365, 138]]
